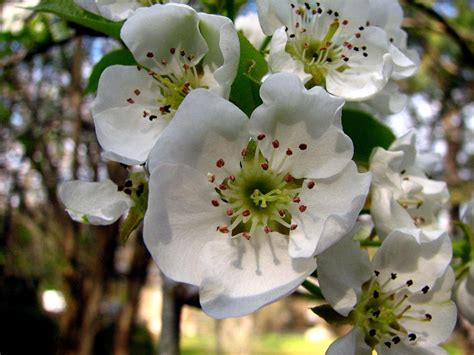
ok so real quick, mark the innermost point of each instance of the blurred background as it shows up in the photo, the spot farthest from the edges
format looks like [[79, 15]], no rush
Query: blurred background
[[68, 288]]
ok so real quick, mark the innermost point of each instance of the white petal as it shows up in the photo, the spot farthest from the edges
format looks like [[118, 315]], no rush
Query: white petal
[[117, 10], [404, 64], [407, 144], [342, 270], [97, 203], [360, 83], [387, 213], [206, 128], [350, 344], [464, 295], [386, 14], [386, 167], [388, 101], [119, 110], [439, 328], [403, 348], [159, 28], [332, 208], [222, 60], [180, 220], [273, 14], [89, 5], [241, 276], [467, 215], [426, 256], [287, 114]]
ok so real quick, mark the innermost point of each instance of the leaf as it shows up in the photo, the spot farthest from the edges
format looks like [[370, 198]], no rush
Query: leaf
[[252, 67], [120, 56], [328, 313], [366, 133], [69, 11]]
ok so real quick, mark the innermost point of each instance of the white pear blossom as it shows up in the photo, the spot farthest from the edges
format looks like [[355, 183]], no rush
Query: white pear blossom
[[119, 10], [399, 302], [328, 43], [178, 50], [402, 195], [388, 15], [99, 203], [238, 207]]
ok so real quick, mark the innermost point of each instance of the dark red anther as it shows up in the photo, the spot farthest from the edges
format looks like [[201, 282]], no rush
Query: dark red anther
[[220, 163]]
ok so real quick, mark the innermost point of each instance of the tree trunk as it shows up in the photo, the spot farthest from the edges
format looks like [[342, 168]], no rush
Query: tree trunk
[[170, 318], [135, 282]]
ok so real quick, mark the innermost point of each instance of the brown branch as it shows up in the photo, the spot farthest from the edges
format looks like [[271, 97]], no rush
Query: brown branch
[[466, 50]]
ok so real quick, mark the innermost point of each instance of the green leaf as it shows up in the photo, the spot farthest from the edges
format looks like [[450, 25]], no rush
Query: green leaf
[[366, 133], [120, 56], [328, 313], [467, 252], [69, 11], [252, 67]]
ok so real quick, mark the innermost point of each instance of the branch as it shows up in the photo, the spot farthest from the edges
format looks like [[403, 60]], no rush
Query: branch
[[467, 52]]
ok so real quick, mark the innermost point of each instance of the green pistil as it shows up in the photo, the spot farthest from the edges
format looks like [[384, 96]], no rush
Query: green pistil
[[275, 195], [333, 27]]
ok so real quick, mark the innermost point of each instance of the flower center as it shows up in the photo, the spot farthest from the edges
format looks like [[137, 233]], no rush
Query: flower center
[[181, 77], [316, 38], [379, 313], [178, 76], [261, 195], [412, 199]]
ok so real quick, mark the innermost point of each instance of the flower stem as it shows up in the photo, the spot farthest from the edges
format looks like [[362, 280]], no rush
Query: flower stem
[[313, 289]]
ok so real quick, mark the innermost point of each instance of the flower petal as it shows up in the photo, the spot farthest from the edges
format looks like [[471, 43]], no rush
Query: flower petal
[[97, 203], [437, 303], [464, 295], [332, 208], [222, 60], [180, 220], [273, 14], [403, 348], [126, 99], [206, 128], [151, 32], [342, 270], [366, 75], [241, 276], [388, 101], [287, 114], [352, 343], [426, 258], [387, 212]]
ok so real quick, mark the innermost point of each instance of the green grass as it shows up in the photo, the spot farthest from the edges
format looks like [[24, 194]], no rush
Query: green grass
[[273, 343], [277, 344]]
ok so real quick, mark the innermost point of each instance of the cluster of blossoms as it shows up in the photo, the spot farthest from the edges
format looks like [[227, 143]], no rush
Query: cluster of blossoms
[[246, 208]]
